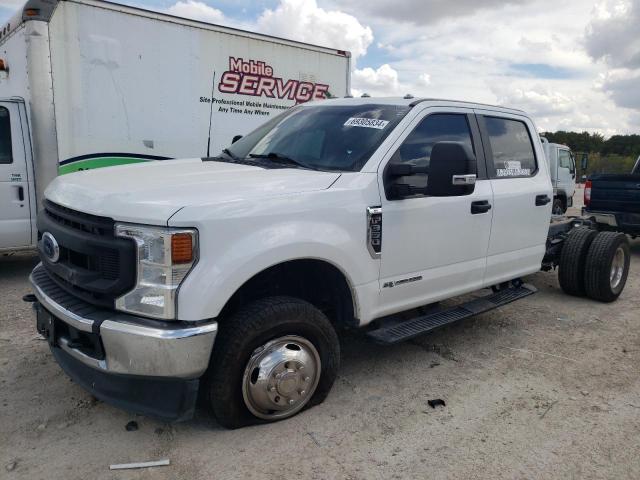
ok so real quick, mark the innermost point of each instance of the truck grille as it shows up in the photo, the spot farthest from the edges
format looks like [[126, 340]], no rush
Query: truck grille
[[93, 264]]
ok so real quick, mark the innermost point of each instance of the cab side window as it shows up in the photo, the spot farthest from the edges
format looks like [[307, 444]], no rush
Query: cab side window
[[416, 148], [512, 148], [565, 160], [439, 127], [6, 155]]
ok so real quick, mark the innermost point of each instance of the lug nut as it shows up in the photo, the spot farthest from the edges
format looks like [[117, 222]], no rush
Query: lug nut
[[291, 402], [272, 388], [302, 392], [306, 379]]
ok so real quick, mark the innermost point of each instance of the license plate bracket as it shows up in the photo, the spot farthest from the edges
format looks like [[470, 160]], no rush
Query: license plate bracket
[[45, 325]]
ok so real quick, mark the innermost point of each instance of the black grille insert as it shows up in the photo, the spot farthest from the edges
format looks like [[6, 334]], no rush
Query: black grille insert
[[94, 264]]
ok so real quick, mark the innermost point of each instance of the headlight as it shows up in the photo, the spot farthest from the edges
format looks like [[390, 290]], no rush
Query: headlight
[[165, 256]]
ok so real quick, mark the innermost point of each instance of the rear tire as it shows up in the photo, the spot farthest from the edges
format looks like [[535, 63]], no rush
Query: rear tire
[[276, 330], [607, 266], [572, 260]]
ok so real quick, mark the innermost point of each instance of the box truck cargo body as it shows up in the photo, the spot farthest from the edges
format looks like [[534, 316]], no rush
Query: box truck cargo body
[[87, 84]]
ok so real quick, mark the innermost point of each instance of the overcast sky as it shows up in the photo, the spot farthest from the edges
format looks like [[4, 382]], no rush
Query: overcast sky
[[573, 64]]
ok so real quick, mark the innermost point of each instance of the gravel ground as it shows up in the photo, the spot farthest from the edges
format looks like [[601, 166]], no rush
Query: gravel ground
[[546, 387]]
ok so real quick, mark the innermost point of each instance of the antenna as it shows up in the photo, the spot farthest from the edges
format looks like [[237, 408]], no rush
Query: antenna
[[213, 87]]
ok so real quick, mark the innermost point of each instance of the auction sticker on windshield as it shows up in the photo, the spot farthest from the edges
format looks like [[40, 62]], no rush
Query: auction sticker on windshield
[[366, 122]]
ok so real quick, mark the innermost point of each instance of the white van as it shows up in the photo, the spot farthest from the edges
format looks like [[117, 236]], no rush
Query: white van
[[88, 83]]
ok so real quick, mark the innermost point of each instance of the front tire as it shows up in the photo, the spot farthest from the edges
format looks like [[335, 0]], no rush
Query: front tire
[[271, 359], [607, 266], [559, 207]]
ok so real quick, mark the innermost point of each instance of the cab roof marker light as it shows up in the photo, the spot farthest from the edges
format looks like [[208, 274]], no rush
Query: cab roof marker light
[[3, 66], [31, 12]]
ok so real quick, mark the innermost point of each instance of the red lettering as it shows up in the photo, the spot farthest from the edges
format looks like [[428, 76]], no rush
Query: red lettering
[[287, 90], [248, 85], [268, 71], [229, 82], [235, 64], [304, 92], [265, 87], [320, 91]]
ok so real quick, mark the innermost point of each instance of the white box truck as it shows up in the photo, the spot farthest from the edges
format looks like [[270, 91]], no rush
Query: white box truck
[[89, 83]]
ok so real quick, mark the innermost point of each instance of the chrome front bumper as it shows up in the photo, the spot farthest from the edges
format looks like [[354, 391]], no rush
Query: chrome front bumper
[[131, 345]]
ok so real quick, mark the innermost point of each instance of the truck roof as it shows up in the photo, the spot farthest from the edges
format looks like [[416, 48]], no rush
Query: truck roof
[[43, 10], [408, 101]]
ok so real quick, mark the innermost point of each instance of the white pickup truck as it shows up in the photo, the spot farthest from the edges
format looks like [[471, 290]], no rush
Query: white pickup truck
[[231, 275]]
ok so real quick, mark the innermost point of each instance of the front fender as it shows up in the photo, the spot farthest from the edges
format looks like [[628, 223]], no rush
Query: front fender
[[233, 250]]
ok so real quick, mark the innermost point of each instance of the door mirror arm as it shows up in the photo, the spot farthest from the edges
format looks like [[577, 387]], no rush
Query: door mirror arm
[[405, 170]]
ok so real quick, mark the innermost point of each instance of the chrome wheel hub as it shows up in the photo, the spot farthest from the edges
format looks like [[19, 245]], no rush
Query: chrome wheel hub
[[617, 268], [281, 377]]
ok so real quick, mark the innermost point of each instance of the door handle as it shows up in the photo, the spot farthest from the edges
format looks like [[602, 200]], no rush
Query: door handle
[[542, 200], [21, 194], [480, 206]]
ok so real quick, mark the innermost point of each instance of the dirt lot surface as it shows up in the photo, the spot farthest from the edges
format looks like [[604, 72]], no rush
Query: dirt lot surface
[[547, 387]]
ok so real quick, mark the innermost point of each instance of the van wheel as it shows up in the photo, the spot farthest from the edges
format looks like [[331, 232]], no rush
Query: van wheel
[[607, 266], [572, 260], [271, 359]]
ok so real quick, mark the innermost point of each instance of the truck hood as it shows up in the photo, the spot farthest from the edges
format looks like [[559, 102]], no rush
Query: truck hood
[[151, 192]]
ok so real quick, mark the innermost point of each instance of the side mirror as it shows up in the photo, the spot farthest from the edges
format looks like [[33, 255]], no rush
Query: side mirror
[[236, 138], [450, 170], [584, 162]]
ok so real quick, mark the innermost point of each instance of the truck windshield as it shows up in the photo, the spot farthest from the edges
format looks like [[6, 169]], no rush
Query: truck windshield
[[322, 137]]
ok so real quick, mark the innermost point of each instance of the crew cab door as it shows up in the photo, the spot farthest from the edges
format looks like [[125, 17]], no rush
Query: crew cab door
[[522, 195], [433, 247], [15, 215]]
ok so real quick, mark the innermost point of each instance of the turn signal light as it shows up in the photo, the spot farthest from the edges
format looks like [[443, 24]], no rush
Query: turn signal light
[[181, 248], [587, 193]]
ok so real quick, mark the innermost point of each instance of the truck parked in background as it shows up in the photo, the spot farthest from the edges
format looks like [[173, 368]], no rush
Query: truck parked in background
[[562, 166], [88, 83], [613, 200]]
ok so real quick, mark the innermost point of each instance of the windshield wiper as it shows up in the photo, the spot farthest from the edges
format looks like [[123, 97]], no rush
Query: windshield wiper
[[279, 158], [229, 153]]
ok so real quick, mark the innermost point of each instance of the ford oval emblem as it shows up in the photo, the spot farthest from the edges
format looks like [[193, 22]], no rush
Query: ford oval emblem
[[50, 247]]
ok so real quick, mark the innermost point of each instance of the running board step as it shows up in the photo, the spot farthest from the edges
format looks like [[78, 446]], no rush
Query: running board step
[[399, 332]]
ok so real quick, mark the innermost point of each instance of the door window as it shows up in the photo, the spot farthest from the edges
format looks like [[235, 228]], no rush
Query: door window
[[512, 148], [439, 127], [6, 155], [565, 160], [416, 148]]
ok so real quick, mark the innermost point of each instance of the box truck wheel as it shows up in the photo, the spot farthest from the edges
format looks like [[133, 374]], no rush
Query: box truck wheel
[[572, 260], [271, 359], [559, 206], [607, 266]]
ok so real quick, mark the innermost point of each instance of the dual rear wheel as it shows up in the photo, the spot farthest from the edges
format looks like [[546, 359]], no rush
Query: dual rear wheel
[[594, 264]]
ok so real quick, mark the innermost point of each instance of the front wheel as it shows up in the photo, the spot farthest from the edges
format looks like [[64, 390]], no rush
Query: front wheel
[[559, 207], [272, 359]]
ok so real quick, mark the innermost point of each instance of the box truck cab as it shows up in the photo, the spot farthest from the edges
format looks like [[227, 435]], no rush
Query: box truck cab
[[16, 183], [562, 166], [82, 88]]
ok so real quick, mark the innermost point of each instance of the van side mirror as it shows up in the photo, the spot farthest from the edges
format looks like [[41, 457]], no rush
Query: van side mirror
[[584, 161], [451, 170], [236, 138]]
